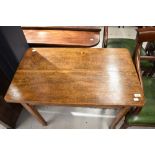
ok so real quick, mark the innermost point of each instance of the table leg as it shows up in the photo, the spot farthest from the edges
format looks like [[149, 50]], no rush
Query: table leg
[[35, 113], [119, 116]]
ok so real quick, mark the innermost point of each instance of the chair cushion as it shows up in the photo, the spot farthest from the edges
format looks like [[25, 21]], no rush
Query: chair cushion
[[146, 64], [122, 43], [130, 44], [147, 115]]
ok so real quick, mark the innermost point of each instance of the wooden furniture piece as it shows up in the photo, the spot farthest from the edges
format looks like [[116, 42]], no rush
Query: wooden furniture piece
[[62, 36], [146, 115], [130, 44], [150, 51], [12, 48], [83, 77]]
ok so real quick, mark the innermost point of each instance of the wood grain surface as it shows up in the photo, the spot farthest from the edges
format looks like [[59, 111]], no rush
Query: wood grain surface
[[71, 28], [62, 38], [76, 77]]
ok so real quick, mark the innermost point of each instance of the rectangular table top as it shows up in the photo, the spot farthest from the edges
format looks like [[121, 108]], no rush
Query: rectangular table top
[[76, 77]]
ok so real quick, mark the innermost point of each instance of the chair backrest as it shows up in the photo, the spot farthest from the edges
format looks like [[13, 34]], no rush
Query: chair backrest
[[146, 34], [143, 35], [13, 45]]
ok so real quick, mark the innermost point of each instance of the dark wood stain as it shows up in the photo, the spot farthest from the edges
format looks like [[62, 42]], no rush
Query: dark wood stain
[[61, 38], [76, 77]]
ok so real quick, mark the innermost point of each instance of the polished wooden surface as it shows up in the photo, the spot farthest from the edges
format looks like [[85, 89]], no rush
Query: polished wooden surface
[[76, 77], [77, 28], [53, 38]]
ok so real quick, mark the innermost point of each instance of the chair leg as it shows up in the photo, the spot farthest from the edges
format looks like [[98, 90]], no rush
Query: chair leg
[[35, 113], [124, 126], [119, 116]]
